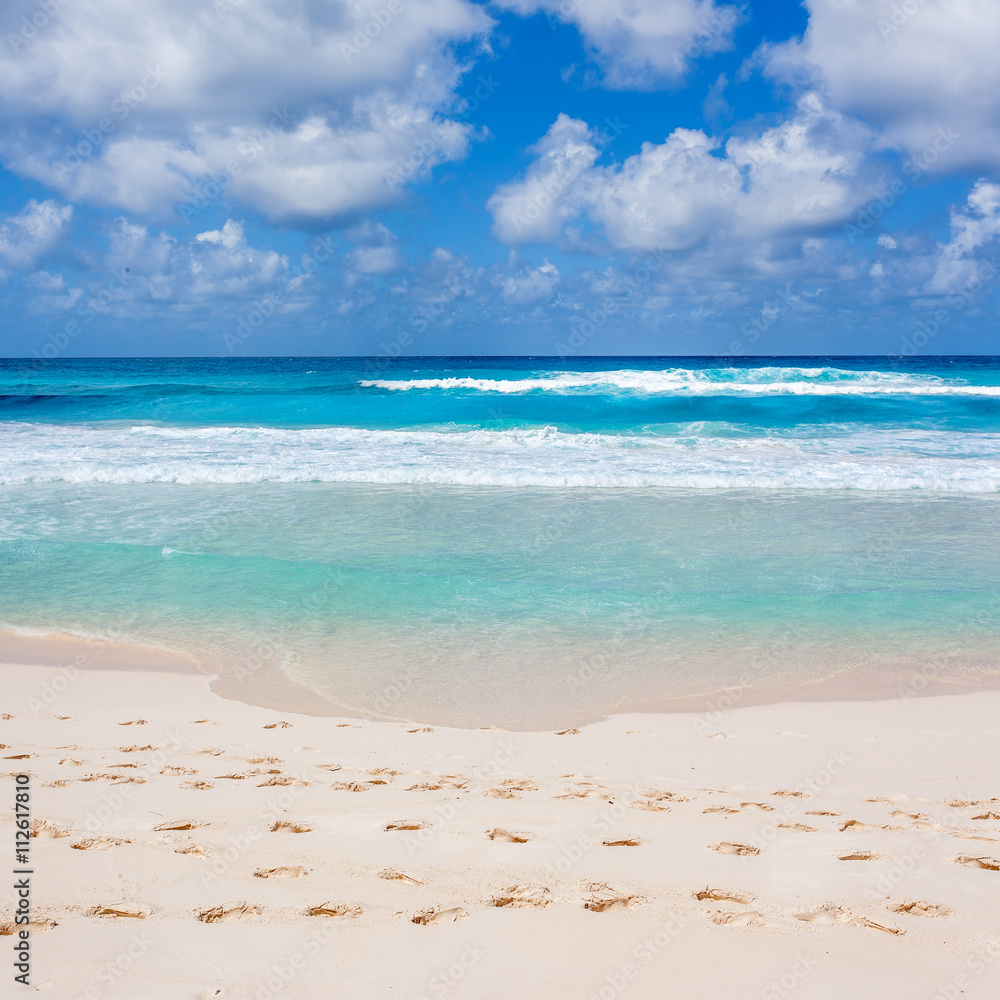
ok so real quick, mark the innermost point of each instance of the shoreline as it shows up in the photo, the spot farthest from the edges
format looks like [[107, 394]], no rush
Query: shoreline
[[856, 837], [276, 690]]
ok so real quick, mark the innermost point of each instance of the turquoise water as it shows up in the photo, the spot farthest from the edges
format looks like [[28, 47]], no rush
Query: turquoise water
[[511, 541]]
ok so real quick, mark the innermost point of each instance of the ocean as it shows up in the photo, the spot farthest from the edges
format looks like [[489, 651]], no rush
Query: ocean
[[522, 542]]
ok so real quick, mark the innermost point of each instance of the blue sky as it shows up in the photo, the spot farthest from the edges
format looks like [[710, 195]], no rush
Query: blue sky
[[236, 177]]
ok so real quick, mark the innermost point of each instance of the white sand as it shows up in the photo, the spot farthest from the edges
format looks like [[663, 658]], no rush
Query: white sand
[[910, 777]]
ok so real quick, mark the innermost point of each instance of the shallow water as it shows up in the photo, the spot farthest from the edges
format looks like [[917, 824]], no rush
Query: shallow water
[[511, 541]]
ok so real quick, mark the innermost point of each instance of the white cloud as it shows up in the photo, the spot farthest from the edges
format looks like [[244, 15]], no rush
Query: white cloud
[[26, 237], [641, 43], [887, 242], [530, 284], [216, 265], [295, 107], [925, 72], [971, 229], [805, 174]]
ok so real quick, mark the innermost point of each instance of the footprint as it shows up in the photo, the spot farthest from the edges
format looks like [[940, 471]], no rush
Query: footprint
[[913, 816], [428, 917], [289, 871], [724, 895], [231, 777], [737, 918], [785, 793], [194, 851], [329, 909], [98, 844], [921, 908], [133, 722], [569, 732], [178, 770], [123, 765], [45, 830], [987, 815], [179, 824], [405, 824], [860, 856], [508, 836], [519, 784], [388, 772], [32, 927], [238, 913], [603, 898], [114, 911], [852, 823], [821, 812], [720, 809], [424, 786], [989, 864], [198, 722], [522, 895], [397, 876], [661, 796], [282, 779], [424, 729], [347, 725], [800, 827], [197, 786], [649, 805], [501, 793], [279, 725], [212, 751], [624, 842], [763, 806], [135, 748], [275, 760], [726, 847], [284, 826], [324, 767], [71, 762], [829, 913], [349, 786], [18, 756]]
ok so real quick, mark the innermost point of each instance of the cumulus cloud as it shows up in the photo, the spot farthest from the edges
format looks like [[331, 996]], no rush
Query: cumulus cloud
[[918, 71], [530, 284], [642, 43], [972, 227], [26, 237], [297, 108], [146, 269], [806, 174]]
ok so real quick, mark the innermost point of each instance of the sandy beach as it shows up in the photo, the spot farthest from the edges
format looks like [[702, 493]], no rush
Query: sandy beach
[[188, 846]]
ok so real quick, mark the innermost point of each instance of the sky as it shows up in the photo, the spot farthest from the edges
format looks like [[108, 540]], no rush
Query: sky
[[529, 177]]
